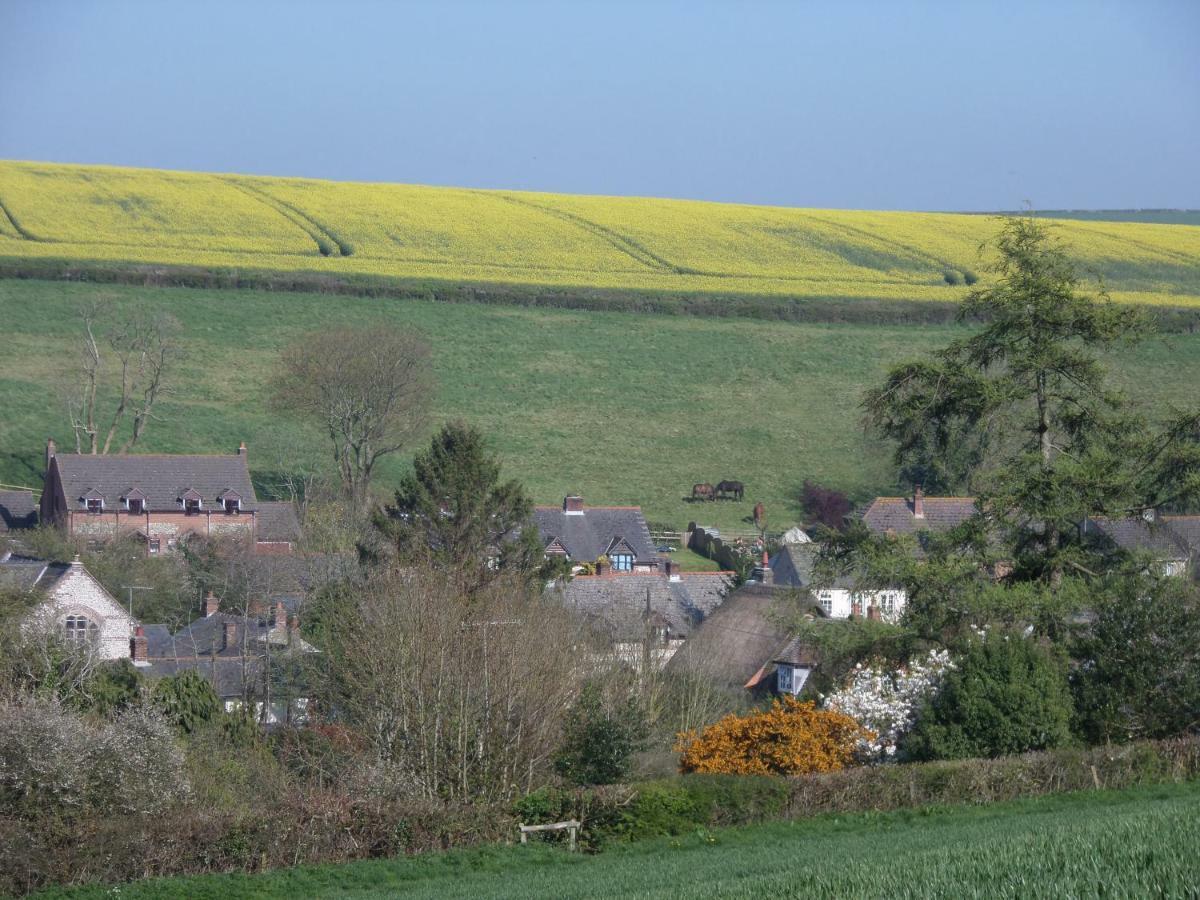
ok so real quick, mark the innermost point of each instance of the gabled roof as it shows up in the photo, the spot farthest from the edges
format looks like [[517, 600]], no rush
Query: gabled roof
[[617, 604], [589, 536], [1168, 537], [27, 574], [162, 478], [736, 640], [18, 510], [277, 522], [793, 565], [894, 515]]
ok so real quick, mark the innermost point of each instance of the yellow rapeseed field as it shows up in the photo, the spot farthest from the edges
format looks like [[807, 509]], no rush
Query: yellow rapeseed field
[[105, 214]]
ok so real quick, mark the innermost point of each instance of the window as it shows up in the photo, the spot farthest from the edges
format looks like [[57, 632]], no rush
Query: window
[[622, 562], [80, 630], [826, 599], [784, 680], [95, 505], [888, 603], [136, 505], [233, 506], [155, 546], [191, 505]]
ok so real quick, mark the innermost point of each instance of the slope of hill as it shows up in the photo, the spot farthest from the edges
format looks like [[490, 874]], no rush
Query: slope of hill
[[105, 216]]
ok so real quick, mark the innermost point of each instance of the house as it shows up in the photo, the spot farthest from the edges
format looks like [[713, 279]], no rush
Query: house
[[1173, 540], [241, 655], [646, 616], [792, 567], [160, 498], [585, 534], [77, 605], [746, 645], [913, 515], [18, 511]]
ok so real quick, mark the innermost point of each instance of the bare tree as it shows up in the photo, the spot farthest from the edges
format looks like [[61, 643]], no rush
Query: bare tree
[[369, 389], [136, 353]]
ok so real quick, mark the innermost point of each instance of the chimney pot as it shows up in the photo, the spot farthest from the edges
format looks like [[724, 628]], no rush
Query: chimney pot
[[918, 503], [211, 604], [241, 451], [573, 506], [139, 647]]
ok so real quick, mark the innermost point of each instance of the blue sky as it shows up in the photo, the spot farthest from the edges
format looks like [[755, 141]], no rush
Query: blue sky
[[887, 105]]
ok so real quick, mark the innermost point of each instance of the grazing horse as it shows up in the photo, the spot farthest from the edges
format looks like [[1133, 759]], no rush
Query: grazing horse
[[703, 492], [736, 488]]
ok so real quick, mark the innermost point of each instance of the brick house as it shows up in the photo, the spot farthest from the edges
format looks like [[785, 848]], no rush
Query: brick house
[[76, 604], [584, 534], [160, 498]]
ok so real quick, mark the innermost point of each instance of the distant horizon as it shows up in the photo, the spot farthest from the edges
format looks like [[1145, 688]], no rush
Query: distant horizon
[[864, 105], [965, 212]]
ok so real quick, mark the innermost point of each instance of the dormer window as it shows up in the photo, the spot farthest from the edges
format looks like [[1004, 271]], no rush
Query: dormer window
[[94, 505], [622, 562], [233, 506], [191, 505], [135, 505]]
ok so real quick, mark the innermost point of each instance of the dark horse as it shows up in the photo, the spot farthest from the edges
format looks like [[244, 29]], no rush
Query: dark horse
[[726, 488], [703, 492]]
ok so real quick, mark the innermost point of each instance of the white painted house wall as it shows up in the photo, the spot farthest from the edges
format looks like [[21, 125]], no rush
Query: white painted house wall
[[838, 603]]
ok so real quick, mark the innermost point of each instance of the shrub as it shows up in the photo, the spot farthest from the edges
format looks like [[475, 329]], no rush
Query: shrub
[[187, 700], [969, 277], [598, 743], [790, 738], [825, 505], [1007, 695], [952, 277]]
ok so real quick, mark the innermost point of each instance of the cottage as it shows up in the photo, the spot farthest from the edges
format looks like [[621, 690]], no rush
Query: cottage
[[161, 499], [585, 534], [916, 514], [792, 567], [1174, 541], [241, 655], [76, 604], [646, 616]]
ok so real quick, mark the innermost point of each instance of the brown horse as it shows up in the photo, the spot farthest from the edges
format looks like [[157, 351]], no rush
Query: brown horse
[[726, 488], [703, 492]]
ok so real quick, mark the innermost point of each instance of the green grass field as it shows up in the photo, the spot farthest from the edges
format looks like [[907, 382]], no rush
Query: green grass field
[[1139, 843], [621, 407], [106, 215]]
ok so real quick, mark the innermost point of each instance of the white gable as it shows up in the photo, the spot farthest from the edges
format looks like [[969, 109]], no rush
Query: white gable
[[77, 593]]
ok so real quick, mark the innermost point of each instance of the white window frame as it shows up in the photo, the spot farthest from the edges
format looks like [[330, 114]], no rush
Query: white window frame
[[622, 562], [93, 510]]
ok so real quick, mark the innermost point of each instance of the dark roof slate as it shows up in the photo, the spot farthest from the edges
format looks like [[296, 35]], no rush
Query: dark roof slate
[[589, 536], [894, 515], [277, 522], [162, 478], [18, 510], [1173, 537], [27, 574]]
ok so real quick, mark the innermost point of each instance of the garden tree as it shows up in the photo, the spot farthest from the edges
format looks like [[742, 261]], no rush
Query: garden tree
[[600, 737], [1138, 671], [368, 389], [825, 506], [1006, 694], [790, 738], [1023, 410], [126, 360], [455, 696], [454, 511], [186, 700]]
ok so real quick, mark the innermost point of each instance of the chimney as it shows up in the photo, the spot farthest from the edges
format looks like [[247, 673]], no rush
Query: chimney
[[573, 506], [672, 570], [280, 616], [51, 449], [139, 647], [230, 636], [918, 503], [241, 451], [211, 604], [293, 628], [767, 575]]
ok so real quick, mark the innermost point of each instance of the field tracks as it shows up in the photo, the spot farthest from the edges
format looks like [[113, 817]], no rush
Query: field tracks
[[6, 216], [626, 245], [327, 241]]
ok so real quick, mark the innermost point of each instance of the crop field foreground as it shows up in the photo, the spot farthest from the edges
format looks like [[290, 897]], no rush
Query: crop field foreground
[[1138, 843], [414, 234]]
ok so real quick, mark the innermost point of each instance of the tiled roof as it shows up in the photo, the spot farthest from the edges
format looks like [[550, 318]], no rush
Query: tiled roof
[[277, 521], [796, 652], [233, 677], [589, 536], [617, 604], [163, 479], [793, 567], [17, 510], [894, 515], [1172, 537], [27, 574]]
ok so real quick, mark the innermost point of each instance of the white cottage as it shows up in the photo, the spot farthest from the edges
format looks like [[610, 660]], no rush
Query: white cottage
[[76, 604]]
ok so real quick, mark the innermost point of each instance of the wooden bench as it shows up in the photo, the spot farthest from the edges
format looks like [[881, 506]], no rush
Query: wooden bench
[[571, 825]]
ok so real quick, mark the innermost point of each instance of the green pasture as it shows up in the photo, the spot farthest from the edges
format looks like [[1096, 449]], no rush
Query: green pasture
[[623, 408]]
